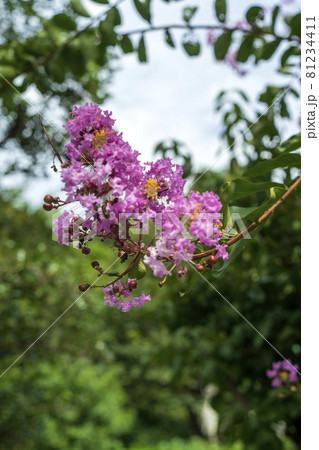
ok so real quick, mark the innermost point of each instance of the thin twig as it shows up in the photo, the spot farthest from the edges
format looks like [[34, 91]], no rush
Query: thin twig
[[253, 225], [181, 26], [51, 142], [133, 263]]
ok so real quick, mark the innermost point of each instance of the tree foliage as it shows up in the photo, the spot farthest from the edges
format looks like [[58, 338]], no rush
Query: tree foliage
[[62, 55]]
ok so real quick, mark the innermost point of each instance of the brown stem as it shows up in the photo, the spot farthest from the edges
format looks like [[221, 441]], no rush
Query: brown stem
[[133, 263], [51, 143], [161, 283], [253, 225]]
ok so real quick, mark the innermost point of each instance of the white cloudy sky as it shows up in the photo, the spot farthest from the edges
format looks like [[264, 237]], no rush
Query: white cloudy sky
[[172, 95]]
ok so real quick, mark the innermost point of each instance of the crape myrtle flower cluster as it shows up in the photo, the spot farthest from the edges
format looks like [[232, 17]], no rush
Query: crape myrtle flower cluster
[[114, 293], [104, 175], [283, 373]]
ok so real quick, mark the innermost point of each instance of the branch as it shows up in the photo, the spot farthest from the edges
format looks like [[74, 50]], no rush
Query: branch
[[209, 27], [57, 154], [253, 225], [133, 263]]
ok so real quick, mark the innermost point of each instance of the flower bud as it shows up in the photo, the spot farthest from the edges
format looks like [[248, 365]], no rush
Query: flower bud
[[211, 259], [48, 198], [200, 267], [84, 287], [95, 264], [47, 206], [124, 257], [114, 227], [132, 285], [86, 250]]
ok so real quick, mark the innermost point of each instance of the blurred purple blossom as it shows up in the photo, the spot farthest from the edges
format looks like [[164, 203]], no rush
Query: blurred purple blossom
[[283, 372]]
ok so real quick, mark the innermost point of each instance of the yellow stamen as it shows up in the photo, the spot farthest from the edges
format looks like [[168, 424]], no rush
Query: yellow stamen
[[100, 137], [195, 212], [283, 374], [151, 188]]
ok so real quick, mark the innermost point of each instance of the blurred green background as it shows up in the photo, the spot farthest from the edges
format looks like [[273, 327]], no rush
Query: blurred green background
[[183, 372], [104, 379]]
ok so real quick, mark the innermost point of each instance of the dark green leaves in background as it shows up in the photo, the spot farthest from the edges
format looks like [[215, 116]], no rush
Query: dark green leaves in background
[[220, 10], [69, 58]]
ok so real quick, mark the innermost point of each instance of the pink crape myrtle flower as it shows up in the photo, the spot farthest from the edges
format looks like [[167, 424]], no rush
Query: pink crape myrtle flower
[[283, 372], [114, 296]]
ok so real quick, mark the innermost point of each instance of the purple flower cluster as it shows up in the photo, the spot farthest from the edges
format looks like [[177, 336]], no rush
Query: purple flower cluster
[[115, 293], [105, 176], [283, 372]]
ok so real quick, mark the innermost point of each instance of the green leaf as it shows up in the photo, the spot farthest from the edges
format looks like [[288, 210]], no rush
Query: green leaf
[[268, 96], [274, 194], [114, 16], [220, 10], [242, 94], [188, 13], [8, 72], [138, 271], [126, 44], [284, 160], [295, 25], [291, 144], [236, 250], [102, 2], [254, 14], [64, 22], [292, 51], [269, 49], [192, 282], [141, 50], [112, 274], [168, 38], [227, 191], [246, 49], [143, 9], [243, 211], [245, 188], [112, 19], [191, 45], [78, 8], [222, 45], [274, 17], [108, 35], [227, 221]]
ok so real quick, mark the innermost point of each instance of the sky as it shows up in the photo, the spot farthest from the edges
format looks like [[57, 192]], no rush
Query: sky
[[172, 95]]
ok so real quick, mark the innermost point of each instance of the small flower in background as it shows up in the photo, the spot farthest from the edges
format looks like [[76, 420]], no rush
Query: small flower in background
[[242, 25], [211, 37], [283, 372], [231, 60]]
